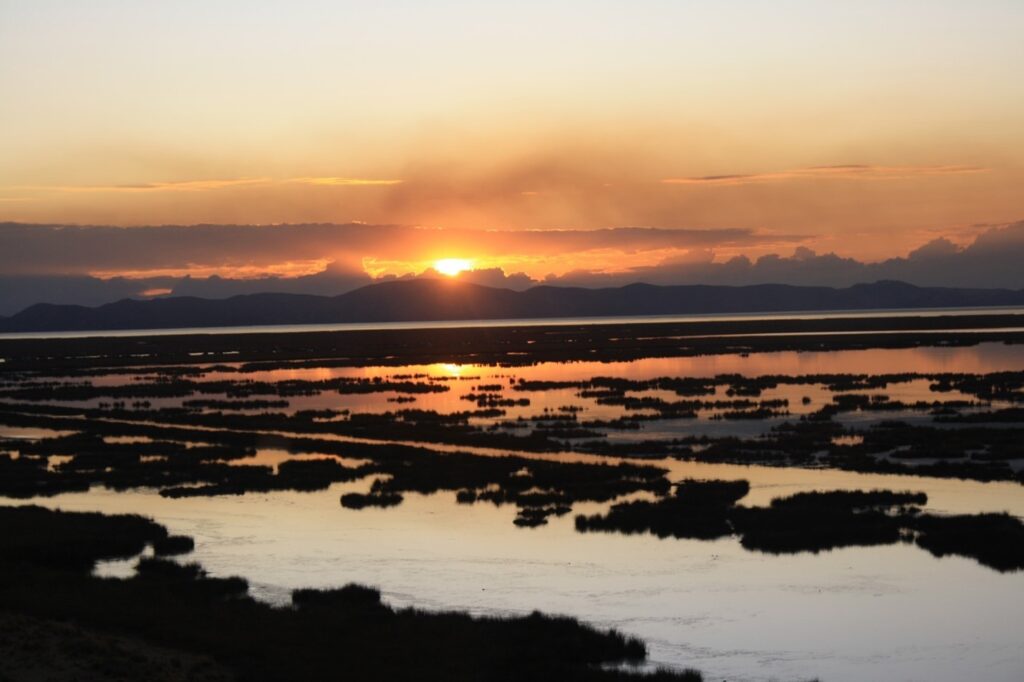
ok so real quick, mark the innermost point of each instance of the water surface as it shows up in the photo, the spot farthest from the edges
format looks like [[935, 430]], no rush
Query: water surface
[[881, 613], [526, 322]]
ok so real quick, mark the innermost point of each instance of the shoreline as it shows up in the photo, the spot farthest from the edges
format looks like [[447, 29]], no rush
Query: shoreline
[[514, 345], [516, 322]]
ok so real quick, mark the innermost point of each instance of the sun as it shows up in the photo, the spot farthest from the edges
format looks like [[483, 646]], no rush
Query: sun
[[452, 266]]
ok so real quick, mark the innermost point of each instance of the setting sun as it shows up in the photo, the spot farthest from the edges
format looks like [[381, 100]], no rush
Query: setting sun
[[479, 288], [452, 266]]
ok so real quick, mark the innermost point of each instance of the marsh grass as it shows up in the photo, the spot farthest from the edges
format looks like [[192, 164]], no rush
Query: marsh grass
[[346, 633], [817, 522]]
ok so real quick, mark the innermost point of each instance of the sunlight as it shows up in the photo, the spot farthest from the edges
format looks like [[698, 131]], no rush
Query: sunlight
[[447, 369], [452, 266]]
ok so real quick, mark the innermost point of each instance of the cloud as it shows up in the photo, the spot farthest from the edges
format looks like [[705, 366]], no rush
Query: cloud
[[936, 248], [488, 277], [345, 182], [571, 181], [992, 260], [210, 185], [838, 172], [175, 186], [70, 249]]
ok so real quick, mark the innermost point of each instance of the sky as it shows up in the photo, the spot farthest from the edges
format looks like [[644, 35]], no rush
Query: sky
[[718, 129]]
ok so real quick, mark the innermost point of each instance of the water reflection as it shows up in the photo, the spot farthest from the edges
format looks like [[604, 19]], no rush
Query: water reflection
[[891, 612], [981, 358], [736, 615], [273, 458], [465, 384]]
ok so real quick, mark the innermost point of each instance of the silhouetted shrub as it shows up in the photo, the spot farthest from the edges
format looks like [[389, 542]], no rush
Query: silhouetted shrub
[[360, 500], [346, 632], [173, 544], [995, 540]]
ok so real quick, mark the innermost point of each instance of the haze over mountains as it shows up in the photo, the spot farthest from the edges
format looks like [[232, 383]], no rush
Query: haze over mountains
[[436, 300], [91, 265]]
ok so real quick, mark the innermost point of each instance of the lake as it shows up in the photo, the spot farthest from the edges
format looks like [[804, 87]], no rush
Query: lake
[[892, 612], [531, 322]]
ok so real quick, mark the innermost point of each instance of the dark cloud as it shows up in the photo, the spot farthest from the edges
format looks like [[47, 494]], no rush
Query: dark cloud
[[993, 260], [65, 249]]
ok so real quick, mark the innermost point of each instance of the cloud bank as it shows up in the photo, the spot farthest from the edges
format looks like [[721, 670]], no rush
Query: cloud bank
[[837, 172], [58, 264], [66, 249], [993, 260]]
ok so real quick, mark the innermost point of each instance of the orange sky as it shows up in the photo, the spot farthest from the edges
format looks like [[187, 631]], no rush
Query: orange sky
[[864, 128]]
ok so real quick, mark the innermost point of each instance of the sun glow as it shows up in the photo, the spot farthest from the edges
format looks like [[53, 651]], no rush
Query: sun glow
[[450, 370], [452, 266]]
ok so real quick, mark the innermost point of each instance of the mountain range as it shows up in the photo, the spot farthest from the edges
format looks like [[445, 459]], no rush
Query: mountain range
[[436, 300]]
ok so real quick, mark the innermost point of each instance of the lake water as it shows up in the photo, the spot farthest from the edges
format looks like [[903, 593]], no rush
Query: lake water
[[461, 382], [881, 613], [528, 322], [892, 613]]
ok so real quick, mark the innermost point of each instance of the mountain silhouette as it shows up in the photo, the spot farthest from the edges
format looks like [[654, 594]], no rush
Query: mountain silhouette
[[425, 300]]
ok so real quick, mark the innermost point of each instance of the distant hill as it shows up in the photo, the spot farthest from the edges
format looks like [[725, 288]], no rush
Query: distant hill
[[435, 300]]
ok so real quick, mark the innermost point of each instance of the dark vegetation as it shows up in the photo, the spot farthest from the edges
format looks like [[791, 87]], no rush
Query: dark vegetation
[[235, 404], [189, 433], [948, 448], [373, 499], [995, 540], [507, 345], [696, 509], [539, 488], [34, 649], [825, 520], [71, 541], [187, 452], [304, 475], [180, 388], [179, 470], [46, 559], [173, 544], [815, 522]]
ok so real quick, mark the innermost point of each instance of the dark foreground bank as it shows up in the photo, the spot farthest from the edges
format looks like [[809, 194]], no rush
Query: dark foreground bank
[[173, 617]]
